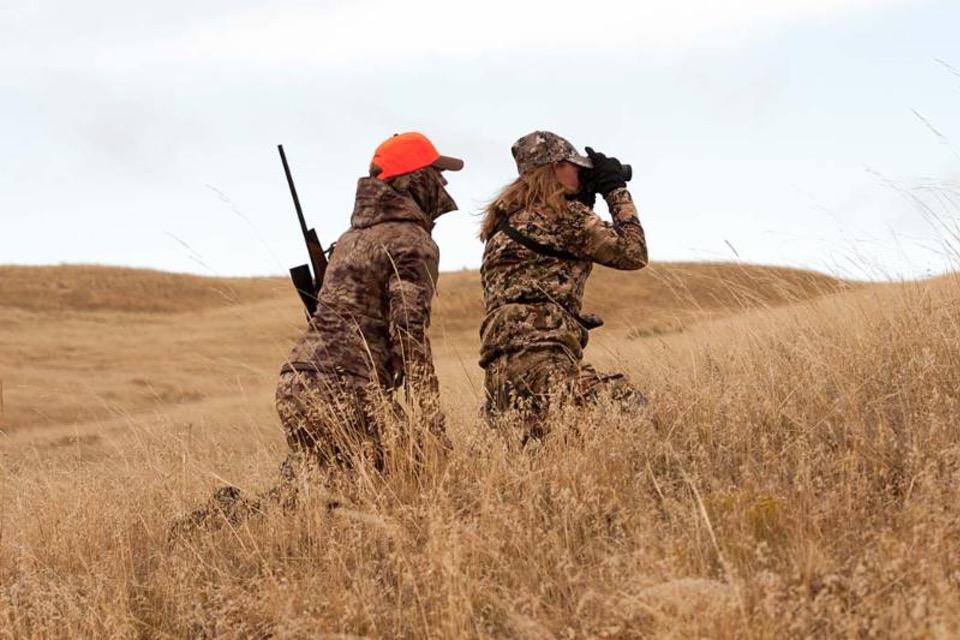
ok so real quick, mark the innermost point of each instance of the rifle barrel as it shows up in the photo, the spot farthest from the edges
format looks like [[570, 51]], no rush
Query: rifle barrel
[[293, 189]]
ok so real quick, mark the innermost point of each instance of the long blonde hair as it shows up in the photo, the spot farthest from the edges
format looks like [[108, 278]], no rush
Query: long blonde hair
[[539, 187]]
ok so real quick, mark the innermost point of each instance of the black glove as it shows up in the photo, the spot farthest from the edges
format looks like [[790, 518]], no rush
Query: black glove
[[607, 174]]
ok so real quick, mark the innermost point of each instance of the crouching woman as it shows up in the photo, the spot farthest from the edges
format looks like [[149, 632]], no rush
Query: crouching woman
[[542, 239]]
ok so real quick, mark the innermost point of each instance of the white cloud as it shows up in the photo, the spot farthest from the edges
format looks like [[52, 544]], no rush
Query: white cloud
[[386, 33]]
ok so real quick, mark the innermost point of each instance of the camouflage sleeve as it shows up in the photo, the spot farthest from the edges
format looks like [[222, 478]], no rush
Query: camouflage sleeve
[[621, 245], [410, 293]]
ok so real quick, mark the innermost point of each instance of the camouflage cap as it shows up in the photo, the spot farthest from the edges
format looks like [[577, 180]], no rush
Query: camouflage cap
[[541, 148]]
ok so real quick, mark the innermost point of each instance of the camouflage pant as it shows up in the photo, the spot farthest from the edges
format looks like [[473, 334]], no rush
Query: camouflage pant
[[536, 380], [327, 422], [331, 418]]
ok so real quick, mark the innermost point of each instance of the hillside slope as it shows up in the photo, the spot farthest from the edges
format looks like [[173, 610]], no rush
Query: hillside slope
[[87, 342], [85, 288]]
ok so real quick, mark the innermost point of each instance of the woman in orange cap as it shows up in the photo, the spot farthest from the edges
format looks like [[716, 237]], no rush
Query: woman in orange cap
[[368, 335]]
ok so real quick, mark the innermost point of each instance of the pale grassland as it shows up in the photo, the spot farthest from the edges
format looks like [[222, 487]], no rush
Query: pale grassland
[[799, 477]]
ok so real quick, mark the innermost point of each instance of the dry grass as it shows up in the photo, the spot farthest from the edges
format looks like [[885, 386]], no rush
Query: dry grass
[[800, 478]]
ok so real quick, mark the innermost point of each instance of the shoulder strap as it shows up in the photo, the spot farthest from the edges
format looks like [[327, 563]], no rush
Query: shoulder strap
[[537, 247]]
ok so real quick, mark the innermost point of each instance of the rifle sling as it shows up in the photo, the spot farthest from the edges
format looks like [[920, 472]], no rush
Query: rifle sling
[[538, 247]]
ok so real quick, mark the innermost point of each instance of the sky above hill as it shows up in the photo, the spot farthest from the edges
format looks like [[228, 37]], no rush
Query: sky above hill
[[814, 133]]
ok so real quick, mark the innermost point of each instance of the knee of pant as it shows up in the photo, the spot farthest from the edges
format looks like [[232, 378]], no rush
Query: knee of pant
[[300, 438]]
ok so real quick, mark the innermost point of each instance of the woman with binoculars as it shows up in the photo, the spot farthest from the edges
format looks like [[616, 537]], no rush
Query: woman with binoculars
[[542, 239]]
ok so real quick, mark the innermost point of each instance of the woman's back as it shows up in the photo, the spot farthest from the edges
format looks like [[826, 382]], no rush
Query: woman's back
[[352, 330], [529, 297]]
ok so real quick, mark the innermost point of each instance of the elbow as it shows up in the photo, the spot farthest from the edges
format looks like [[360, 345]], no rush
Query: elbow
[[643, 258], [637, 261], [627, 262]]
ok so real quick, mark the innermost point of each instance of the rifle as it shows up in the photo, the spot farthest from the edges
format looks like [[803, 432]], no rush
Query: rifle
[[307, 284]]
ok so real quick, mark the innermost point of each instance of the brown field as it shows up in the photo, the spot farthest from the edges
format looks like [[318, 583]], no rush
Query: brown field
[[801, 478]]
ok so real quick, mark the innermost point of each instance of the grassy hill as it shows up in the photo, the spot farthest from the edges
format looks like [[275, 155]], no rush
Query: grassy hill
[[799, 478], [68, 288], [664, 286], [89, 342]]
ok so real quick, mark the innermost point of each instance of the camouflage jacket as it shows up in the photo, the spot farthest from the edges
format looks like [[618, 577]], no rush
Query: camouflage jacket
[[374, 307], [535, 299]]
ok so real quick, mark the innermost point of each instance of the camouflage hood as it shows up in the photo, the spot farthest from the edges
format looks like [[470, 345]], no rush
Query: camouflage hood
[[418, 197]]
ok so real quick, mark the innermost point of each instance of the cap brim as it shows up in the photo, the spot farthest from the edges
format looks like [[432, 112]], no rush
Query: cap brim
[[580, 161], [446, 163]]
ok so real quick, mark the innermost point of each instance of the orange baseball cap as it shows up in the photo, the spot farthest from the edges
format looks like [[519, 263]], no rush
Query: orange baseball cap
[[407, 152]]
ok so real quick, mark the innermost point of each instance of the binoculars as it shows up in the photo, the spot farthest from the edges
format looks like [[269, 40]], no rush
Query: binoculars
[[627, 173], [586, 176]]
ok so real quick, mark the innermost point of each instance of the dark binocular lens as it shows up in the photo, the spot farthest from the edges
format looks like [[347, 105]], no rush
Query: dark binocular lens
[[626, 172]]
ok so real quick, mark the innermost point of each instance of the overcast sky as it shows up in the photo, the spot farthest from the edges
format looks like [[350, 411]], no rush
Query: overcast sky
[[813, 133]]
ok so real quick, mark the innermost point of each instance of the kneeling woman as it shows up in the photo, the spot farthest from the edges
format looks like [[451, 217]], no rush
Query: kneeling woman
[[542, 239], [368, 335]]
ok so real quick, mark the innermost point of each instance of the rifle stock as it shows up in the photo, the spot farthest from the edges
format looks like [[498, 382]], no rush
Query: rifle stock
[[318, 258], [303, 282]]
